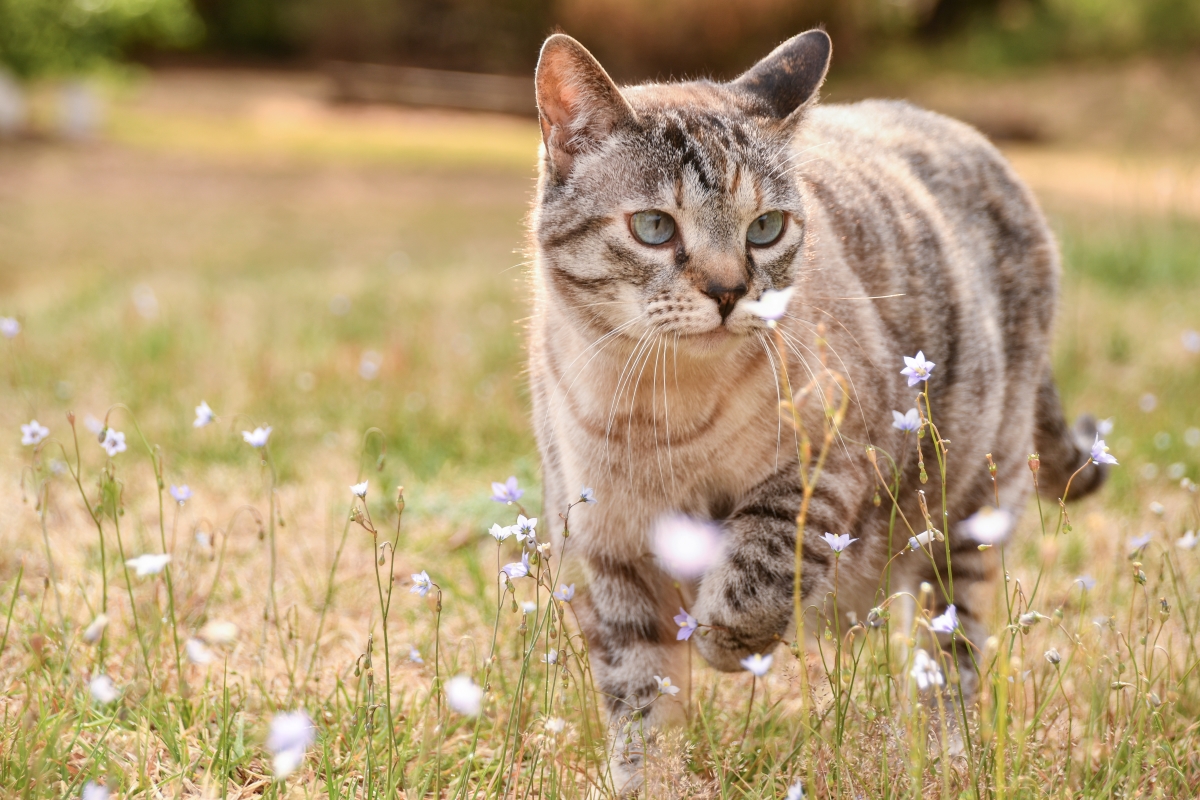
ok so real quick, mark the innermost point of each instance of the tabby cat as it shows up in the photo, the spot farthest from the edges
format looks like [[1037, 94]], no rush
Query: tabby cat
[[663, 208]]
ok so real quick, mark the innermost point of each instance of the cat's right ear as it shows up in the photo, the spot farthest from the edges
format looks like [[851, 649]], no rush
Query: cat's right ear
[[578, 104]]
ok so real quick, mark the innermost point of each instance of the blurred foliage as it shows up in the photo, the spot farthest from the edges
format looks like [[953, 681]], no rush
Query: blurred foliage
[[63, 37]]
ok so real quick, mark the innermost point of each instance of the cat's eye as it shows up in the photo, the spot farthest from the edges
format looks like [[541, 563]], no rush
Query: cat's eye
[[652, 227], [766, 229]]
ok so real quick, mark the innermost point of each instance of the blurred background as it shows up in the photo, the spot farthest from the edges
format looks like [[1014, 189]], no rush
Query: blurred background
[[310, 213]]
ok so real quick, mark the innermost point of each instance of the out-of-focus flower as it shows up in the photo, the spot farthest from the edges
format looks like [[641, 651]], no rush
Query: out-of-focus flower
[[1087, 582], [1138, 542], [290, 737], [1157, 508], [687, 625], [525, 528], [94, 791], [1030, 618], [771, 305], [414, 655], [204, 415], [103, 690], [1053, 656], [181, 493], [359, 489], [565, 593], [1104, 426], [988, 525], [1187, 541], [218, 631], [257, 437], [113, 442], [517, 569], [908, 421], [947, 622], [838, 541], [500, 532], [9, 327], [369, 364], [95, 630], [1148, 402], [198, 652], [757, 664], [149, 563], [529, 607], [587, 495], [923, 538], [795, 791], [916, 368], [33, 433], [687, 547], [93, 424], [421, 583], [507, 492], [925, 671], [665, 686], [556, 724], [551, 657], [464, 696]]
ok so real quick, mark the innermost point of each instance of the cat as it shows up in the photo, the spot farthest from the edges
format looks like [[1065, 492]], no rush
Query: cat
[[662, 210]]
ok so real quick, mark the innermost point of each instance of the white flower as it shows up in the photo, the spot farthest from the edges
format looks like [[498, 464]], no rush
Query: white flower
[[839, 542], [915, 542], [1053, 656], [529, 607], [551, 657], [947, 622], [758, 664], [1187, 541], [666, 687], [149, 563], [359, 489], [421, 583], [94, 791], [1100, 454], [772, 305], [500, 532], [908, 421], [556, 724], [464, 696], [795, 791], [587, 495], [988, 525], [103, 690], [33, 433], [114, 442], [181, 493], [94, 425], [198, 652], [414, 655], [204, 415], [1105, 426], [565, 593], [94, 631], [687, 547], [291, 736], [925, 671], [9, 327], [525, 527], [917, 369], [258, 437], [218, 632]]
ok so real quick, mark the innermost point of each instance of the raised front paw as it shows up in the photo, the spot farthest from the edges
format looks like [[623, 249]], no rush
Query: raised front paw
[[740, 619]]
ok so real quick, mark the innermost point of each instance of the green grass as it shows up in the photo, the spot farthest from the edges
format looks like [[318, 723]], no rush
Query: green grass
[[276, 261]]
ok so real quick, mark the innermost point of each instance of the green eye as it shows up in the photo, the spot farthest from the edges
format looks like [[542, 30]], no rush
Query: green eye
[[766, 229], [652, 227]]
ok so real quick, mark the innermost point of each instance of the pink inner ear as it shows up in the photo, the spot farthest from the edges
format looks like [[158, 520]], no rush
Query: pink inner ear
[[561, 96]]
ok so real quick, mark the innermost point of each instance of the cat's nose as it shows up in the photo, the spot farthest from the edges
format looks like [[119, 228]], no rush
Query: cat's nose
[[726, 297]]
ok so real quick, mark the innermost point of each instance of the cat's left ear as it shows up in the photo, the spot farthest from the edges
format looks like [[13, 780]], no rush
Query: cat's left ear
[[787, 79], [578, 104]]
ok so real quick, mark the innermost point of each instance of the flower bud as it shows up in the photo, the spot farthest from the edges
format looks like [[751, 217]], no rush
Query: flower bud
[[1035, 462], [1053, 656]]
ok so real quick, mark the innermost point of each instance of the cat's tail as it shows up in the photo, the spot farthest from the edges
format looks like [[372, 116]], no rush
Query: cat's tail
[[1064, 449]]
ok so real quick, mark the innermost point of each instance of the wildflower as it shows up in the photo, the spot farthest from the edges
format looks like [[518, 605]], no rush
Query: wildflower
[[204, 415], [544, 548], [369, 364], [218, 632], [94, 631], [687, 625], [839, 542], [772, 305], [290, 737], [1053, 656], [1087, 582], [1139, 542], [947, 622], [551, 657], [665, 686], [1187, 541], [464, 696], [565, 593], [94, 791], [525, 528], [795, 791], [1104, 426], [500, 532], [103, 690], [1029, 619], [925, 671], [686, 546], [359, 490], [507, 492], [198, 652], [529, 607], [587, 495], [258, 437], [908, 421], [517, 569], [181, 493], [149, 563], [113, 442], [1190, 338], [9, 327], [988, 525], [33, 433], [556, 724], [1157, 508], [1100, 452], [414, 655], [758, 664], [915, 542], [94, 425], [917, 369], [421, 583]]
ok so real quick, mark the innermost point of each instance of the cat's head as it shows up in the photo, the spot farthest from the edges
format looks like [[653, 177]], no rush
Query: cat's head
[[662, 206]]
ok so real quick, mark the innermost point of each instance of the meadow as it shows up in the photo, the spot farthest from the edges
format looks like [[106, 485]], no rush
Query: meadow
[[355, 279]]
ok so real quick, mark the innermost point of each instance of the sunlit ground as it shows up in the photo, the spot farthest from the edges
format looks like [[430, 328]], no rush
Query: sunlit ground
[[323, 270]]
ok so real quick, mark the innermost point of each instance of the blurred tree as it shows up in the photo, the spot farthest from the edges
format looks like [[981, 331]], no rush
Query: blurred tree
[[67, 37]]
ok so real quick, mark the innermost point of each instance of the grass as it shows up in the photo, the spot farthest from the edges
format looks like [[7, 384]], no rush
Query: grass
[[329, 272]]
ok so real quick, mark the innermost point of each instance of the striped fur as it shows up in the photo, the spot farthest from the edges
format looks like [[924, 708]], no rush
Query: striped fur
[[906, 231]]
